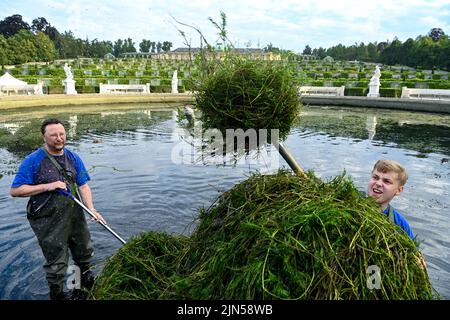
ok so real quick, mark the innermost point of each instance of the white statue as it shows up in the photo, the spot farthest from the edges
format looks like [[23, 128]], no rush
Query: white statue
[[68, 71], [69, 83], [376, 76], [175, 82], [374, 84]]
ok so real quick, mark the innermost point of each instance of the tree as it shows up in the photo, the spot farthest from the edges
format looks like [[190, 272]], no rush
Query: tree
[[22, 47], [153, 45], [307, 50], [436, 34], [118, 47], [12, 25], [271, 48], [4, 51], [372, 52], [145, 45], [320, 53], [98, 49], [45, 47], [158, 47], [71, 47], [166, 45], [129, 45], [39, 25]]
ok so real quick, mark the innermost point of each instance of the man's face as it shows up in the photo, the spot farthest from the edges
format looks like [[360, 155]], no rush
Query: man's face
[[383, 187], [55, 137]]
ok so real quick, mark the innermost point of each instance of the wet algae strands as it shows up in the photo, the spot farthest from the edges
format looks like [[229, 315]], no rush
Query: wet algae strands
[[274, 237]]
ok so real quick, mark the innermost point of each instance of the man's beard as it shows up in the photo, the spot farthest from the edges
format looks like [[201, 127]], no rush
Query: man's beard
[[57, 148]]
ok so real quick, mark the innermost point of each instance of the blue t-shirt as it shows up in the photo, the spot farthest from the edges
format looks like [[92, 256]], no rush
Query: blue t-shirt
[[37, 168], [400, 221]]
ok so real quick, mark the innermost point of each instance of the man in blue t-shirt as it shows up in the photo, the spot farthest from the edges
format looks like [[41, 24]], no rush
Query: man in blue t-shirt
[[58, 223], [387, 181]]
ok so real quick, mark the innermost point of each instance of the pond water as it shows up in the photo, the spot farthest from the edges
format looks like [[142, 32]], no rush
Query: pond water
[[140, 184]]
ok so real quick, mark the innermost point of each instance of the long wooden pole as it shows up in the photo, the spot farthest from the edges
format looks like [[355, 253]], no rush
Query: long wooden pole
[[289, 158]]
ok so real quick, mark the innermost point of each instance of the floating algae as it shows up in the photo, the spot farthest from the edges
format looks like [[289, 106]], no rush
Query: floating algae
[[274, 237]]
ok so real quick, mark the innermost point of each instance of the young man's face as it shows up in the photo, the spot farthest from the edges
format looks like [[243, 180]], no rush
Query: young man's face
[[383, 187], [55, 137]]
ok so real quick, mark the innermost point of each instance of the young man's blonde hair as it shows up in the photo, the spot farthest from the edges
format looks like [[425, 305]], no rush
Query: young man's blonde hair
[[385, 166]]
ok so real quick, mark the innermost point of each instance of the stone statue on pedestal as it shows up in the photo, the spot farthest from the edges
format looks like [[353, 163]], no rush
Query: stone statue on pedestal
[[374, 84], [68, 71], [175, 82], [69, 83]]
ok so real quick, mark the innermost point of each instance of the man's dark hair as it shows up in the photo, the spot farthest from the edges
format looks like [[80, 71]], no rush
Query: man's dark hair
[[50, 121]]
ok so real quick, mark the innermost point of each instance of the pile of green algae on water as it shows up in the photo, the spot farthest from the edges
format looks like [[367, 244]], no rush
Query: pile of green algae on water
[[276, 236]]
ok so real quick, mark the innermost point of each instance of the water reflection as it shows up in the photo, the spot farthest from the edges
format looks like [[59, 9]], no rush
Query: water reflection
[[420, 132], [371, 126], [138, 186]]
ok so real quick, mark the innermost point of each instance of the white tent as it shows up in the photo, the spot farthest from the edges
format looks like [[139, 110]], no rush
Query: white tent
[[9, 80], [10, 85]]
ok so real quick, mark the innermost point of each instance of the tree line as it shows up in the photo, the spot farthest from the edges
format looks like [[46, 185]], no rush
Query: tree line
[[427, 52], [21, 42], [40, 41]]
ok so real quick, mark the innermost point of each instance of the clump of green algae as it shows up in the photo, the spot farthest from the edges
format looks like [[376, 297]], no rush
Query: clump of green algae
[[273, 237]]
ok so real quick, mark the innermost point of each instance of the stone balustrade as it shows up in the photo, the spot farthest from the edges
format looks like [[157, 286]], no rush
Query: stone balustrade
[[322, 91], [124, 88], [430, 94]]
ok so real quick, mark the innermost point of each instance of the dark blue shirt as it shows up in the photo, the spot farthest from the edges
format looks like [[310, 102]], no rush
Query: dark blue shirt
[[400, 221], [37, 168]]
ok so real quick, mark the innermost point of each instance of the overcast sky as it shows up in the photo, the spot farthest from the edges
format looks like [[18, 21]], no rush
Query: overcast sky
[[287, 24]]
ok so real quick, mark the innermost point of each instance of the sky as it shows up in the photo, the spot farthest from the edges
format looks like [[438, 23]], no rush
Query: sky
[[286, 24]]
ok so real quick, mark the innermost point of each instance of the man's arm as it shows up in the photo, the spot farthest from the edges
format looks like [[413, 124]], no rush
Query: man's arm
[[27, 190], [86, 197]]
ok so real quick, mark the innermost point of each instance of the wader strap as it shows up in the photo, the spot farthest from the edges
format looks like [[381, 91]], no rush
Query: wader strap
[[73, 186], [391, 214]]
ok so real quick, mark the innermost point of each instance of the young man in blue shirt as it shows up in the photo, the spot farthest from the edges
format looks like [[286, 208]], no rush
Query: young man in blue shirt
[[387, 181], [59, 224]]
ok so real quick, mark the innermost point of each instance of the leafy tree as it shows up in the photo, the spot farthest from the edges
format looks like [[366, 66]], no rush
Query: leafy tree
[[129, 45], [307, 50], [166, 45], [4, 51], [45, 47], [436, 34], [122, 46], [320, 53], [12, 25], [118, 47], [271, 48], [145, 45], [39, 25], [22, 47], [70, 47], [153, 46], [98, 49], [372, 52], [158, 47]]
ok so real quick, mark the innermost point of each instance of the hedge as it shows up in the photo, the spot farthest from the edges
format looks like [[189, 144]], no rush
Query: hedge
[[390, 92], [355, 91], [87, 89], [55, 89]]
